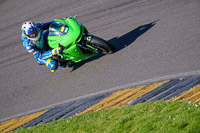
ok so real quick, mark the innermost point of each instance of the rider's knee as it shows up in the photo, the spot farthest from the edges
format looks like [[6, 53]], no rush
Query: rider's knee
[[52, 64]]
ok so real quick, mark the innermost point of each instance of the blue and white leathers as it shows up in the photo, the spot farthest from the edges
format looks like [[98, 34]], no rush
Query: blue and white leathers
[[39, 48]]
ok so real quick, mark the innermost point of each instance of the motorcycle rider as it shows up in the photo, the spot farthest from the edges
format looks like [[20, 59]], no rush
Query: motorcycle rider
[[35, 42]]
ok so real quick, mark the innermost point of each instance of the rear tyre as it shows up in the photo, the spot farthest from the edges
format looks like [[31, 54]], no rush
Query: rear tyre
[[102, 46]]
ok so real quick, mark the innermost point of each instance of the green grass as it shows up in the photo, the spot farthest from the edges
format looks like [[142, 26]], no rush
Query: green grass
[[150, 117]]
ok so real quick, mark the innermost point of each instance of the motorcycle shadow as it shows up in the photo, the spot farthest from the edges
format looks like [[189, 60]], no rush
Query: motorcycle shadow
[[120, 42]]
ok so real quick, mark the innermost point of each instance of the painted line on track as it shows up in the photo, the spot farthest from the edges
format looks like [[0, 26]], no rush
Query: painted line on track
[[122, 97], [11, 125], [179, 89], [66, 110], [193, 95]]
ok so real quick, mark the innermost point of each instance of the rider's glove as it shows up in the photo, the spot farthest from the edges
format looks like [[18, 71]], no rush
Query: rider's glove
[[57, 51]]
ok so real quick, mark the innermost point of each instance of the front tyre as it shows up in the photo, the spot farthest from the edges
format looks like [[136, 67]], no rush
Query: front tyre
[[101, 45]]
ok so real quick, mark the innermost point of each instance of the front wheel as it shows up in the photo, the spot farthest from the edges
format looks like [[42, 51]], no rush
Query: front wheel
[[101, 45]]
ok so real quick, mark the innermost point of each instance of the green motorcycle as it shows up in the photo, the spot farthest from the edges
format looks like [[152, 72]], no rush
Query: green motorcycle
[[76, 42]]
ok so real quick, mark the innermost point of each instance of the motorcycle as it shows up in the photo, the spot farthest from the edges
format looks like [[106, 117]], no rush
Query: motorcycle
[[76, 42]]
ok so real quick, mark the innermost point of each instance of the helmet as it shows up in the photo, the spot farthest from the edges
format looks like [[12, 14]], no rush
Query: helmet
[[30, 29]]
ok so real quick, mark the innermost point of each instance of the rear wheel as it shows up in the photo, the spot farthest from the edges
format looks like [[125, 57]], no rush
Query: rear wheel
[[102, 46]]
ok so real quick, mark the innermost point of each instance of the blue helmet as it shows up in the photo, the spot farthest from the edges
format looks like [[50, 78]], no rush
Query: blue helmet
[[29, 29]]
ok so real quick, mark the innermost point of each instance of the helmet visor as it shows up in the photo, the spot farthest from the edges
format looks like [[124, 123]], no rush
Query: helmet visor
[[33, 34]]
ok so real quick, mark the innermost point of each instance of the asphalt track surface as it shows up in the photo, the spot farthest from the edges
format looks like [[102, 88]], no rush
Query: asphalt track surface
[[153, 39]]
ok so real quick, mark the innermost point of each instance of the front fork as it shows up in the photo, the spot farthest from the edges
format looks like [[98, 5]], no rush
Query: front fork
[[85, 44]]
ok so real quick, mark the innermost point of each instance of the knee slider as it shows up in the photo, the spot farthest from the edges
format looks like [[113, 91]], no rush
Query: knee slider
[[53, 66]]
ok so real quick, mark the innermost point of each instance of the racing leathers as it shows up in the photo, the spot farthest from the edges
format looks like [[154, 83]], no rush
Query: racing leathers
[[39, 47]]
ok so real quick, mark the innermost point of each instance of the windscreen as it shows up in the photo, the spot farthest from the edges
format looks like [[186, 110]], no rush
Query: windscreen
[[58, 29]]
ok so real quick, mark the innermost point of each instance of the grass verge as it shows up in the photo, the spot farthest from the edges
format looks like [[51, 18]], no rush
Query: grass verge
[[155, 117]]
